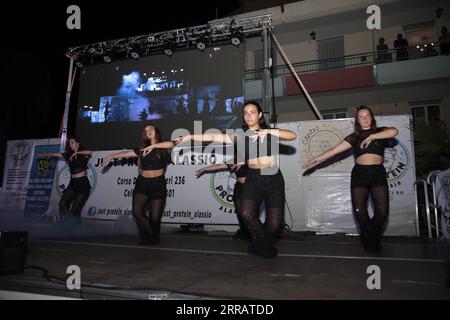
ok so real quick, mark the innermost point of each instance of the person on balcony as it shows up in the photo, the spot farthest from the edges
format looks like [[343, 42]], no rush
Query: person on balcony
[[382, 51], [444, 41], [401, 45]]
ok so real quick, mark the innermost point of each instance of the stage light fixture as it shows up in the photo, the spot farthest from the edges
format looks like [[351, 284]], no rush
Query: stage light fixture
[[136, 52], [236, 39], [169, 49], [201, 43], [81, 61], [107, 58]]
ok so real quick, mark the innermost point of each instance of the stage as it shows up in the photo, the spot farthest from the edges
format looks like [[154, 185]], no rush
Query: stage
[[210, 265]]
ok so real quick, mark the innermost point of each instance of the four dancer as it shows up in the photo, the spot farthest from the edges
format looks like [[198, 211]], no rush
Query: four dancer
[[261, 178]]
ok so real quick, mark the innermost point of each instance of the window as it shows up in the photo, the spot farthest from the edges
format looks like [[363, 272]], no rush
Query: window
[[334, 114], [331, 49], [426, 113]]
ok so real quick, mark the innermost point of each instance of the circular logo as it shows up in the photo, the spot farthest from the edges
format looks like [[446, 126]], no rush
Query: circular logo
[[63, 178], [222, 186], [19, 153], [322, 141], [43, 166], [396, 162]]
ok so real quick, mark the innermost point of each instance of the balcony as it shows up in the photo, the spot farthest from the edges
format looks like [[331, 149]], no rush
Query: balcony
[[355, 71]]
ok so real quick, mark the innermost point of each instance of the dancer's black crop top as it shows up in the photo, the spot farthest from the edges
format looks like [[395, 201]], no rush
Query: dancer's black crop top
[[78, 163], [242, 171], [377, 146], [245, 149], [155, 160]]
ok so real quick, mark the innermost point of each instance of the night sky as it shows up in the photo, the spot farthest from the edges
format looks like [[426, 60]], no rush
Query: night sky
[[35, 38]]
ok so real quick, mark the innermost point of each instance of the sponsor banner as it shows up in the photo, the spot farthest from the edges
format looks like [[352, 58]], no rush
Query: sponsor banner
[[18, 162], [207, 199], [41, 181]]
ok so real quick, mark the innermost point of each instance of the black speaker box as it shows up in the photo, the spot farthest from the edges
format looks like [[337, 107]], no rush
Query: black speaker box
[[13, 251]]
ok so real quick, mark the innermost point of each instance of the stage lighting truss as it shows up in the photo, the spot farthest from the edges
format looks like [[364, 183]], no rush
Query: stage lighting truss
[[214, 33]]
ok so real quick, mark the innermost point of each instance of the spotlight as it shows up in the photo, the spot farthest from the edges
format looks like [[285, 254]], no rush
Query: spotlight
[[169, 49], [136, 52], [236, 37], [81, 61], [201, 44], [107, 58]]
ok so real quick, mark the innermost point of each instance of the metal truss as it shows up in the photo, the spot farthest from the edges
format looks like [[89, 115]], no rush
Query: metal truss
[[212, 33]]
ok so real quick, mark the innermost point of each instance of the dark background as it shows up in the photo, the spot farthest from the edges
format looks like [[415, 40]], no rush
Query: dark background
[[35, 38]]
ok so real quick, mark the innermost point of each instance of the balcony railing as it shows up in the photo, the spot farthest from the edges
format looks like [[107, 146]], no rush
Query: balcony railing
[[351, 61]]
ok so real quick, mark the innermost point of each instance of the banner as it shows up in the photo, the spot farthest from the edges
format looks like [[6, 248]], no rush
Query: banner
[[41, 181], [204, 200], [18, 164]]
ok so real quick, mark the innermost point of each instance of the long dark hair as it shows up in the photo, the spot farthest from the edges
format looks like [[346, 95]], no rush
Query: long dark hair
[[262, 122], [69, 151], [373, 124], [145, 141]]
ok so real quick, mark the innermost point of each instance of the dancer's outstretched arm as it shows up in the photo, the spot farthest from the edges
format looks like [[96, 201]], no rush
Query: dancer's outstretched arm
[[82, 152], [212, 168], [280, 133], [51, 155], [207, 137], [118, 155], [341, 147], [160, 145]]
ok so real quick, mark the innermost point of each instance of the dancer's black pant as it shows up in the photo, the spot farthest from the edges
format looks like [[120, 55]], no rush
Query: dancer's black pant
[[370, 179], [74, 197], [270, 188], [237, 192], [149, 193]]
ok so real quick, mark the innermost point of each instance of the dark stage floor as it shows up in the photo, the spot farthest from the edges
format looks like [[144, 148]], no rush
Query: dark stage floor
[[211, 266]]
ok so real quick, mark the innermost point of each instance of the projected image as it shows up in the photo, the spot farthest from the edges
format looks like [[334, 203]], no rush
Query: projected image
[[168, 92]]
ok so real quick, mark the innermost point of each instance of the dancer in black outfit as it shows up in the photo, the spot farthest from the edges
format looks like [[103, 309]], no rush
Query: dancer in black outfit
[[77, 192], [150, 188], [257, 146], [368, 175], [241, 172]]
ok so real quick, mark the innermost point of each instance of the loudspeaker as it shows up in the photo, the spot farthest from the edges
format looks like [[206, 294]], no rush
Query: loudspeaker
[[13, 251]]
